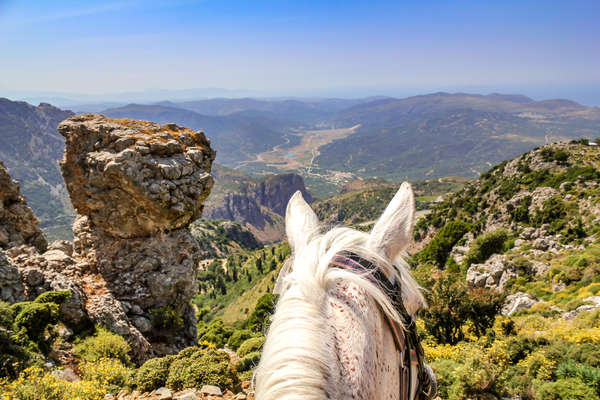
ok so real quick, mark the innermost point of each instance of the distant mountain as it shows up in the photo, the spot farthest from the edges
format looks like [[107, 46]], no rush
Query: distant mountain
[[450, 134], [30, 146], [302, 111]]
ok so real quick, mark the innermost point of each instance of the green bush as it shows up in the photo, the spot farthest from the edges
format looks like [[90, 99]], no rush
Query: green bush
[[215, 332], [239, 337], [103, 344], [258, 321], [521, 212], [166, 317], [251, 345], [552, 209], [247, 362], [444, 373], [153, 374], [485, 245], [566, 389], [588, 375], [195, 367], [439, 248], [31, 320]]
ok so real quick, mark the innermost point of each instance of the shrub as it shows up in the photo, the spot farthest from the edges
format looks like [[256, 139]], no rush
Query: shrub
[[552, 209], [521, 213], [485, 245], [247, 362], [195, 367], [448, 308], [103, 344], [153, 374], [110, 373], [239, 337], [565, 389], [251, 345], [482, 308], [215, 332], [439, 248], [166, 317], [31, 320], [258, 321], [35, 383], [444, 373], [588, 375]]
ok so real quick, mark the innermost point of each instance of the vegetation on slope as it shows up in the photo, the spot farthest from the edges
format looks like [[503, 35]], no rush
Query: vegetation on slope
[[539, 214]]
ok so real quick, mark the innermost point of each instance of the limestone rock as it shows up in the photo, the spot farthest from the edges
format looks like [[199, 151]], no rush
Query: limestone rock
[[135, 178], [517, 302], [593, 304], [11, 287], [18, 225], [492, 274]]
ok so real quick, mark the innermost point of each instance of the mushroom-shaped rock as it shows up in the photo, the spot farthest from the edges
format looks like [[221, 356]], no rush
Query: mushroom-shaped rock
[[135, 178]]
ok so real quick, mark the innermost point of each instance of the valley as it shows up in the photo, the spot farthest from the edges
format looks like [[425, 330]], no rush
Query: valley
[[510, 260]]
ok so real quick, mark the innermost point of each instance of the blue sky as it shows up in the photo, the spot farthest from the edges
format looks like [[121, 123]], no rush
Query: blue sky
[[277, 48]]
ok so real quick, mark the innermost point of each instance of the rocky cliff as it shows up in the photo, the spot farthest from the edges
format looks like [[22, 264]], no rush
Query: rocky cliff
[[136, 187], [258, 205], [31, 148], [18, 225]]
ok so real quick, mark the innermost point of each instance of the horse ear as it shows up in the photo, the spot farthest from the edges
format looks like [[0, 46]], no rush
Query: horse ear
[[300, 221], [393, 230]]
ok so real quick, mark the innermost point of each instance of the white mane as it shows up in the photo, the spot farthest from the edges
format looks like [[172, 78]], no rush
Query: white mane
[[298, 355]]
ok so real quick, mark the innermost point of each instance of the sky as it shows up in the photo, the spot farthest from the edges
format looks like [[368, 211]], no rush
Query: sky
[[544, 49]]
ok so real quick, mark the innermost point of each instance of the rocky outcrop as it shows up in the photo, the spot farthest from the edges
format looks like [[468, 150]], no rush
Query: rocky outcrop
[[493, 274], [259, 206], [133, 178], [132, 266], [18, 225]]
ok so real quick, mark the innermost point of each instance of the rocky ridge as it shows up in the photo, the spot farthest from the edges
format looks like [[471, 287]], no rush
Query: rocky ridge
[[548, 202], [136, 187]]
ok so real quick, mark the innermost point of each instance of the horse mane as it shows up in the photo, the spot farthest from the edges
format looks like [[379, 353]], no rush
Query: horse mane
[[298, 354]]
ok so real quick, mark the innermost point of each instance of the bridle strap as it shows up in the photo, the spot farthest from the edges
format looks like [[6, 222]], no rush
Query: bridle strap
[[415, 382]]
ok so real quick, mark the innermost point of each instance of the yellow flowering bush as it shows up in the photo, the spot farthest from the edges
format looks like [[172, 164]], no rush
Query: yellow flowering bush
[[110, 374], [537, 366], [35, 383]]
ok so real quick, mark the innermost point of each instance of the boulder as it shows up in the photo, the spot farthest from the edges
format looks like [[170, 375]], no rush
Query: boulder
[[517, 302]]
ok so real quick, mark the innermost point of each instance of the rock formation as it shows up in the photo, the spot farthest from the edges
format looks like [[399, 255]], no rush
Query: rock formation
[[136, 187], [259, 206], [18, 225]]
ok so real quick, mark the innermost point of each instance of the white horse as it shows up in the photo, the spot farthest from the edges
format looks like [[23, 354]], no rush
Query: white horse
[[331, 335]]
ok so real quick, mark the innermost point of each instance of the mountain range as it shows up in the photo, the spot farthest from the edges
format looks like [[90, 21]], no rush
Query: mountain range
[[329, 142]]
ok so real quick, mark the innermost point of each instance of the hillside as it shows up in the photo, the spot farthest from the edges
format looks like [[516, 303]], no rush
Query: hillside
[[30, 147], [450, 134], [364, 200], [512, 265]]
